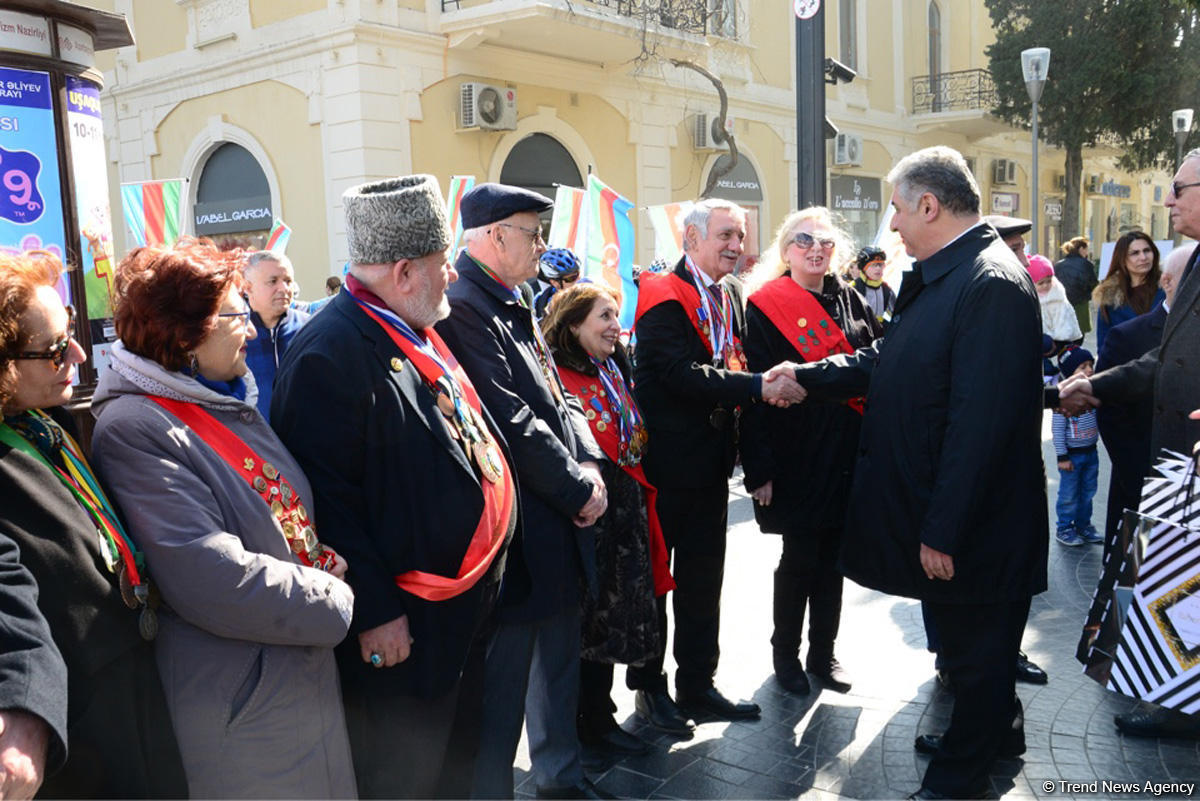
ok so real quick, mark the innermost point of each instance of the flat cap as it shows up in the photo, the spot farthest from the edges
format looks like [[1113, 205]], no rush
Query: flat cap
[[400, 218], [1007, 226], [488, 203]]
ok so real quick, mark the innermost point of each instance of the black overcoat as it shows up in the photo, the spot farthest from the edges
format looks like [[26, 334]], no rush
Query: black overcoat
[[110, 698], [807, 450], [392, 490], [492, 336], [677, 388], [951, 441]]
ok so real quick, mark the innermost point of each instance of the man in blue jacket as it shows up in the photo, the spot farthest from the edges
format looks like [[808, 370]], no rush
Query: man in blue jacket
[[270, 287]]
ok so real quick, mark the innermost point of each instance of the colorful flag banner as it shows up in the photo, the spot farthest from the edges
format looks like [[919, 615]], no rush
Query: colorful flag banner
[[277, 240], [459, 186], [610, 245], [568, 225], [152, 211], [667, 222]]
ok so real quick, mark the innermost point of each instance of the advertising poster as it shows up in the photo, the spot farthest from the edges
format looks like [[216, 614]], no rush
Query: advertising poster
[[31, 213]]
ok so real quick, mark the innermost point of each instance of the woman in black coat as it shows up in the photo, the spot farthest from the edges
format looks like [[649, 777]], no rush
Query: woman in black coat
[[90, 587], [798, 461]]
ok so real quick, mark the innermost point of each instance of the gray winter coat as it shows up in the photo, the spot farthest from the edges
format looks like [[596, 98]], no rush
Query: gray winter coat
[[247, 632]]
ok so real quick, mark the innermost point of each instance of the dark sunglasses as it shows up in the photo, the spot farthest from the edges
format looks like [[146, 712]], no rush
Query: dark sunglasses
[[1177, 188], [804, 241], [56, 354]]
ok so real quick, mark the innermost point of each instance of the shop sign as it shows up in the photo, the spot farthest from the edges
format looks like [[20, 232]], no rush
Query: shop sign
[[1052, 209], [740, 184], [1005, 202], [1114, 189], [24, 33], [76, 45], [31, 214], [90, 173], [853, 193], [232, 216]]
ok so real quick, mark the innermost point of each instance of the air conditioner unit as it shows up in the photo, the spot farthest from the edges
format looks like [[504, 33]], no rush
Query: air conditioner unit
[[491, 108], [1060, 182], [1093, 184], [847, 149], [702, 132], [1004, 171]]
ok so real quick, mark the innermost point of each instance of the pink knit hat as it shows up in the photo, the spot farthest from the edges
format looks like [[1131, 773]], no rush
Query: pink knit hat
[[1039, 268]]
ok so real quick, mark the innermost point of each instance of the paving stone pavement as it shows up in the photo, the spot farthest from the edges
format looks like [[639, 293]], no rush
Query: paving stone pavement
[[860, 745]]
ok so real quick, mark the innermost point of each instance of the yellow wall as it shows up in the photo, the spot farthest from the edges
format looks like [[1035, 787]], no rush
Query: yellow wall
[[277, 116], [161, 28], [437, 149], [771, 34], [265, 12]]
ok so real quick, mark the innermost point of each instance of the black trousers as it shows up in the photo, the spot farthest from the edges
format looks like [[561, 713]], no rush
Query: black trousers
[[596, 707], [808, 577], [410, 747], [977, 643], [694, 523]]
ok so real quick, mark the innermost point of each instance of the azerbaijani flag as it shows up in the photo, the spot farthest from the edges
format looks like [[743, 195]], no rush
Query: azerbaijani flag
[[459, 186], [610, 244], [277, 240], [152, 211], [667, 221], [568, 226]]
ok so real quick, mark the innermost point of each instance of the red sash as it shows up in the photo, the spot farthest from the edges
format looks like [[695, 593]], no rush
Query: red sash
[[656, 288], [802, 320], [285, 503], [587, 389], [498, 496]]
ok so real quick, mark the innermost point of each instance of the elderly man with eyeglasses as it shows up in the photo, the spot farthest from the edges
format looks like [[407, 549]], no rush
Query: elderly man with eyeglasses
[[1170, 374]]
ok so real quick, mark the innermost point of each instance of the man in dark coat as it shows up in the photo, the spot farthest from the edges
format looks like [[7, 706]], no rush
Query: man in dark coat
[[1125, 428], [533, 659], [405, 489], [1169, 376], [951, 453], [689, 378]]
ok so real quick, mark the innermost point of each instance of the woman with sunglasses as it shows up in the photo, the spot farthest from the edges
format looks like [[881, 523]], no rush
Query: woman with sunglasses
[[1130, 288], [798, 461], [78, 565], [252, 602], [620, 624]]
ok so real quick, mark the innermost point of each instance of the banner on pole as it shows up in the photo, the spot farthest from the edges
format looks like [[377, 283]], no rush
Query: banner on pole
[[152, 211]]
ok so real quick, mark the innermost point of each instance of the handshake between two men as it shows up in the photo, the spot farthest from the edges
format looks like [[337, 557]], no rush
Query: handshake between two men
[[779, 386]]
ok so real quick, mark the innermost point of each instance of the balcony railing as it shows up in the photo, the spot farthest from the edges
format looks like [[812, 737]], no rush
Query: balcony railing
[[687, 16], [953, 91]]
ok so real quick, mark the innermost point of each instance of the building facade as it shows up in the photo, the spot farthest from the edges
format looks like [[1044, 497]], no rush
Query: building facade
[[272, 108]]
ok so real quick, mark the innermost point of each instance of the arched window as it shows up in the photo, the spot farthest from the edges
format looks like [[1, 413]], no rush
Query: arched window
[[935, 53], [848, 33], [232, 194], [539, 162]]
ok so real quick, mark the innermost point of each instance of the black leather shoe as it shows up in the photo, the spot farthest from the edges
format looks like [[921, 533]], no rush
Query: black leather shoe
[[616, 742], [930, 743], [790, 674], [585, 789], [1158, 721], [831, 674], [1028, 672], [709, 701], [933, 795], [661, 712], [943, 680]]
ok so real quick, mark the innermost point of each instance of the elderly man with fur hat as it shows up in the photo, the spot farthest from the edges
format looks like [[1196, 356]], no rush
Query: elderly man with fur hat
[[533, 659], [413, 481]]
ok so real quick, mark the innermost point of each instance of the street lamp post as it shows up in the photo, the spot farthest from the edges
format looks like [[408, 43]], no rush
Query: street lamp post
[[1035, 63], [1181, 124]]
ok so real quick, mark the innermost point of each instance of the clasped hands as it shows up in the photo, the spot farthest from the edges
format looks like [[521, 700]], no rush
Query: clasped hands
[[1075, 396], [779, 386]]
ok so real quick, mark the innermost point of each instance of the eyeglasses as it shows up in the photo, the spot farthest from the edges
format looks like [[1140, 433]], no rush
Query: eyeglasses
[[535, 234], [1177, 188], [56, 354], [805, 241], [243, 315]]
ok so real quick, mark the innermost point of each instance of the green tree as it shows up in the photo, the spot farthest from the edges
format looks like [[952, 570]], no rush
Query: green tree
[[1117, 68]]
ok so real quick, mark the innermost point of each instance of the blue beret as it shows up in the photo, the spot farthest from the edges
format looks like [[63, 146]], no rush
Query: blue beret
[[487, 203]]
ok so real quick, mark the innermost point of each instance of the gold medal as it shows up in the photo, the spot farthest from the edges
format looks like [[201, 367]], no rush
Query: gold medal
[[590, 414], [310, 538], [445, 404], [126, 585], [269, 471], [286, 493], [302, 511], [260, 484], [397, 364], [491, 467], [248, 464], [277, 508], [601, 426], [803, 321]]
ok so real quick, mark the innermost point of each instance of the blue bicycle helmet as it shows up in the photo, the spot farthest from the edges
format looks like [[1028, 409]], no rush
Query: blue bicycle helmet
[[558, 264]]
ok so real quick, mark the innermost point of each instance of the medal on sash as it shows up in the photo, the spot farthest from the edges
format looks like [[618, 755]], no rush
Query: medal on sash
[[631, 429]]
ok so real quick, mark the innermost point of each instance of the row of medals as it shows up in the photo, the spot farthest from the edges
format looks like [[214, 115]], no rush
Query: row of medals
[[466, 424], [734, 358], [631, 452], [292, 516]]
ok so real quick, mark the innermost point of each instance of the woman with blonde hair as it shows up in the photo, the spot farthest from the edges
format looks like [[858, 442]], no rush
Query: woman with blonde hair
[[798, 461]]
